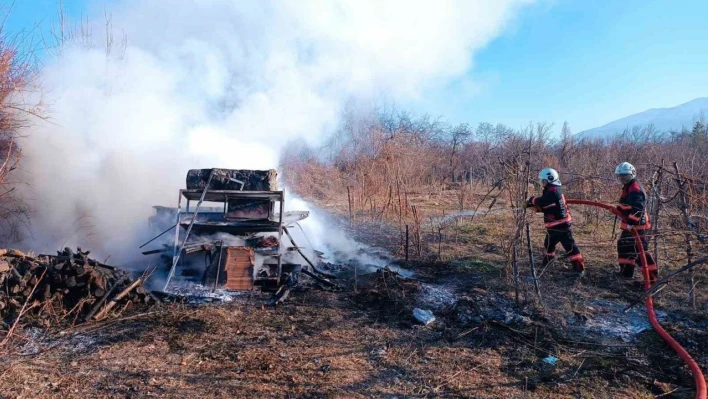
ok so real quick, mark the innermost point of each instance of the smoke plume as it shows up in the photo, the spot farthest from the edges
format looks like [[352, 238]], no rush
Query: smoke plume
[[218, 83]]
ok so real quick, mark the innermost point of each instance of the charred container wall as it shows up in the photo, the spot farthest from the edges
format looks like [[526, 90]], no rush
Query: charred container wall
[[254, 180]]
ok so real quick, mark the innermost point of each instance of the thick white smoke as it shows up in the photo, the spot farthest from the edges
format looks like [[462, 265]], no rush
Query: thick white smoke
[[219, 83]]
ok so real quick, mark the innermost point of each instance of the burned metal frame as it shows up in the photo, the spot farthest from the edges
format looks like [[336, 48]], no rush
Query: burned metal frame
[[224, 196], [175, 253]]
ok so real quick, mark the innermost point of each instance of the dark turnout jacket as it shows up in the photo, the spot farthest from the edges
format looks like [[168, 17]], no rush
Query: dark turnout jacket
[[632, 206], [552, 204]]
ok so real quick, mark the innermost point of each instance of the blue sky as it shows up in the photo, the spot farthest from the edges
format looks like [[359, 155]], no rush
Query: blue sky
[[26, 14], [588, 62]]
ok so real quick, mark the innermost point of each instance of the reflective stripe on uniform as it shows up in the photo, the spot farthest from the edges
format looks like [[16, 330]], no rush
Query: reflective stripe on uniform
[[576, 258], [646, 226], [558, 222], [625, 261]]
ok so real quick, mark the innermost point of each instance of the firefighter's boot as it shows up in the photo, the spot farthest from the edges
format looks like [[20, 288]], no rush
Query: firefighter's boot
[[626, 271]]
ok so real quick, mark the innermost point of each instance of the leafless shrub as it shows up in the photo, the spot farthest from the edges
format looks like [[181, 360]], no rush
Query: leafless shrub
[[392, 162], [17, 84]]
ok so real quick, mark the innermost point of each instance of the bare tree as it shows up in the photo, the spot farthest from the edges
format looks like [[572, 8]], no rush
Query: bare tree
[[386, 156]]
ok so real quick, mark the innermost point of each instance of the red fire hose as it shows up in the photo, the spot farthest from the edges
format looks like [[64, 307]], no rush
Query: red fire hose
[[692, 365]]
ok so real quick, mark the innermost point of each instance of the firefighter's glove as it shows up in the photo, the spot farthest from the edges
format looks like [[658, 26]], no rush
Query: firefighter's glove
[[630, 227]]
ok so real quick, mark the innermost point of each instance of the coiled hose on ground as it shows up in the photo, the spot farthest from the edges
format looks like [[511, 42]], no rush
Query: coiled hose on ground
[[692, 365]]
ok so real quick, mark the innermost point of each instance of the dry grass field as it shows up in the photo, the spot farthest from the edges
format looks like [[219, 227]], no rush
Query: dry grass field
[[364, 342]]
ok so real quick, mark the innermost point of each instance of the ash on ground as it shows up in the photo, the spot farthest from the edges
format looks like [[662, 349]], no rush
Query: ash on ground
[[196, 293], [606, 320], [368, 260], [480, 305], [436, 297], [38, 340]]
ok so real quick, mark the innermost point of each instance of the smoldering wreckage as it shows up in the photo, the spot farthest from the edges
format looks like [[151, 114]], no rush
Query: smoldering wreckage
[[235, 246], [238, 244], [243, 241]]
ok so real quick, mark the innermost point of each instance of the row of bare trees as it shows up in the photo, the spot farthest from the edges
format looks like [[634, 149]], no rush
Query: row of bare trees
[[17, 75], [378, 160], [385, 154], [21, 102]]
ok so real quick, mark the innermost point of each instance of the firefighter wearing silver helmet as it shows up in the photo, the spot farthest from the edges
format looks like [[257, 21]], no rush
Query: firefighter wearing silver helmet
[[632, 207], [557, 219]]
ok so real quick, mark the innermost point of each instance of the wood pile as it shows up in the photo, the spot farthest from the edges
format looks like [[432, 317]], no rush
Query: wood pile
[[65, 288]]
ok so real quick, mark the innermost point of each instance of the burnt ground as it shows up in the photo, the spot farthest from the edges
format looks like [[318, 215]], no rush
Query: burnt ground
[[363, 342], [349, 345]]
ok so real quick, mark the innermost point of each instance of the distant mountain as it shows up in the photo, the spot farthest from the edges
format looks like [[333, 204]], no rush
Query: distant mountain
[[663, 119]]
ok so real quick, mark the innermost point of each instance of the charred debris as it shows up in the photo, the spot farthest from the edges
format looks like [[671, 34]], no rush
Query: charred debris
[[227, 233], [65, 289], [243, 243]]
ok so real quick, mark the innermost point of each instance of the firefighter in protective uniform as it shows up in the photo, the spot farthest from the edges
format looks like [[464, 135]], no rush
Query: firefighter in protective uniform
[[632, 206], [557, 219]]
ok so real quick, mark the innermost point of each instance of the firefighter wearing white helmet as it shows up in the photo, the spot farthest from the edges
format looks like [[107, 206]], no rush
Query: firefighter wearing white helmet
[[625, 172], [550, 175], [557, 220], [632, 207]]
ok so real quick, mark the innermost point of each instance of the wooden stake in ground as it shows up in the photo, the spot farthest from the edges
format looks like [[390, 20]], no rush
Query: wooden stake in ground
[[416, 233], [515, 265], [407, 243], [440, 228], [531, 262], [351, 217], [656, 191], [356, 276], [521, 218], [683, 205]]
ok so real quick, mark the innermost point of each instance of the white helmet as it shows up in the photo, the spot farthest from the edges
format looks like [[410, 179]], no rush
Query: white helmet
[[625, 172], [625, 168], [550, 175]]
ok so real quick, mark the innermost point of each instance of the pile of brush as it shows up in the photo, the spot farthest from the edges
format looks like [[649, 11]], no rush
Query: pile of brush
[[387, 291], [65, 288]]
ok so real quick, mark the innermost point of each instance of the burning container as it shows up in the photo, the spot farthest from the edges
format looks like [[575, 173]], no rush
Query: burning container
[[235, 242]]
